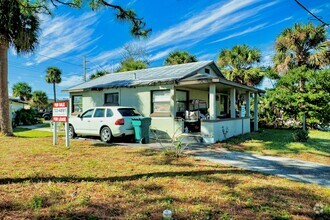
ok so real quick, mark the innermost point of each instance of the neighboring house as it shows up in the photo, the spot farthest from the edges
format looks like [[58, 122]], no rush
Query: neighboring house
[[175, 97], [16, 104]]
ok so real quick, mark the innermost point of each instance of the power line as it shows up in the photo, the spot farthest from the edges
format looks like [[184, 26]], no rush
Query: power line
[[317, 18], [59, 60]]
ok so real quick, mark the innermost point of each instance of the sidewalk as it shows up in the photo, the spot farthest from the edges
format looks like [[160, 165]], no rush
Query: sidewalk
[[38, 127]]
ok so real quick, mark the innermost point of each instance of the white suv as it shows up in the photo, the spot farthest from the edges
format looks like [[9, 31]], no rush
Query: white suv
[[106, 122]]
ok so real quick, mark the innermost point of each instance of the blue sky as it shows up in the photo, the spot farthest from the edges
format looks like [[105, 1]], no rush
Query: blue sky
[[201, 27]]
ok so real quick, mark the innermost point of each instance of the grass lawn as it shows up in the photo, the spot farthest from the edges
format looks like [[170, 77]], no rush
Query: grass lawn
[[278, 142], [28, 133], [96, 181]]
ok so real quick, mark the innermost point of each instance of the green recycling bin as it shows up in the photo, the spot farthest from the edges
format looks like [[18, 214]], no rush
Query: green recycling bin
[[141, 129]]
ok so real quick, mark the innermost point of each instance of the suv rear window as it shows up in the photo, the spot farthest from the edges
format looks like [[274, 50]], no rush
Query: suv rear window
[[128, 112]]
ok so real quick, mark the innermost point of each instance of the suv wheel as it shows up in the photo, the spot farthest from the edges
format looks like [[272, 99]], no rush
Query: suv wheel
[[72, 134], [106, 134], [47, 117]]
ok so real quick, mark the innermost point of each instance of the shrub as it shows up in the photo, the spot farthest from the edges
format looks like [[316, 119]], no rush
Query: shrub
[[26, 117], [37, 202], [300, 136]]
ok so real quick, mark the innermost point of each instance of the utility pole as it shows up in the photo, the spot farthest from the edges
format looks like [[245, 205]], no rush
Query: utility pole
[[85, 69]]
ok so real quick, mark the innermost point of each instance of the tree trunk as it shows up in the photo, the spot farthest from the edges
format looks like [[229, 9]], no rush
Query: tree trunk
[[54, 89], [5, 125]]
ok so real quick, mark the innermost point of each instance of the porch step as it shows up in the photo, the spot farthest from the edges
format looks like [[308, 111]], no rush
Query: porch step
[[191, 138]]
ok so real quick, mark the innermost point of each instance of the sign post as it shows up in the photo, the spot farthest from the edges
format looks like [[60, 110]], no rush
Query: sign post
[[60, 114]]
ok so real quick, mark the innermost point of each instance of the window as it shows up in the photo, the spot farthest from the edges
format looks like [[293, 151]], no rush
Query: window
[[128, 112], [77, 103], [99, 113], [87, 114], [111, 99], [207, 71], [109, 113], [161, 101], [181, 101]]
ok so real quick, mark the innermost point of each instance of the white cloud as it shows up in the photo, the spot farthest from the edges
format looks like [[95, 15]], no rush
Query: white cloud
[[132, 2], [69, 81], [249, 30], [208, 56], [316, 10], [65, 35], [108, 55], [215, 19], [162, 54]]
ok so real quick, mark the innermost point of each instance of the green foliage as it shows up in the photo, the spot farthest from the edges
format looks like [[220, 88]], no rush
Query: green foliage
[[238, 64], [303, 44], [300, 91], [37, 202], [53, 77], [98, 74], [19, 26], [26, 117], [22, 90], [39, 99], [300, 136], [131, 64], [180, 57]]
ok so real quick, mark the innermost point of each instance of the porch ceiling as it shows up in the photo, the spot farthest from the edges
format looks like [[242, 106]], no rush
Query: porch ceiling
[[221, 88]]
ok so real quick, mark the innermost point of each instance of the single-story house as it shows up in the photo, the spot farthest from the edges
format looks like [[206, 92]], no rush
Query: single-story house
[[16, 104], [193, 97]]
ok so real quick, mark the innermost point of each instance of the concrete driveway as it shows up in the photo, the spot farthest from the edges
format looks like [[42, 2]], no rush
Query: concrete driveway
[[297, 170]]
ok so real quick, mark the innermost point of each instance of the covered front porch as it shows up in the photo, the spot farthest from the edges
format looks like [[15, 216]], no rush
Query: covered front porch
[[215, 109]]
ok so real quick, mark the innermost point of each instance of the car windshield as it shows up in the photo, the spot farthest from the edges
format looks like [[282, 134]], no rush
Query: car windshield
[[128, 112]]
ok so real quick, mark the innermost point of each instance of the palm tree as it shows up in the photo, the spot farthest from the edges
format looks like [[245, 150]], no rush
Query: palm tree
[[302, 45], [39, 99], [22, 90], [54, 77], [19, 29], [19, 26], [180, 57], [131, 64], [238, 63]]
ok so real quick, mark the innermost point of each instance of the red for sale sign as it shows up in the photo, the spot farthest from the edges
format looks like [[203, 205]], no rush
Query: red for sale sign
[[60, 119], [60, 112]]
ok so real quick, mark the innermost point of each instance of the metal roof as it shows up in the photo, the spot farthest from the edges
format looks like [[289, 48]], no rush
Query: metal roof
[[150, 76]]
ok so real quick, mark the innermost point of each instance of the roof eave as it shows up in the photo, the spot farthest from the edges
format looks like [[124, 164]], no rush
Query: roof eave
[[74, 90], [231, 83]]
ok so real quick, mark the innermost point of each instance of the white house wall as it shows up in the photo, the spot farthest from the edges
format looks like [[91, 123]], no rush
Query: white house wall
[[14, 106], [139, 98], [214, 131]]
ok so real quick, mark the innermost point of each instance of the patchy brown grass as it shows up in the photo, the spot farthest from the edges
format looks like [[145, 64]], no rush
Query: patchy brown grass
[[277, 142], [92, 181]]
